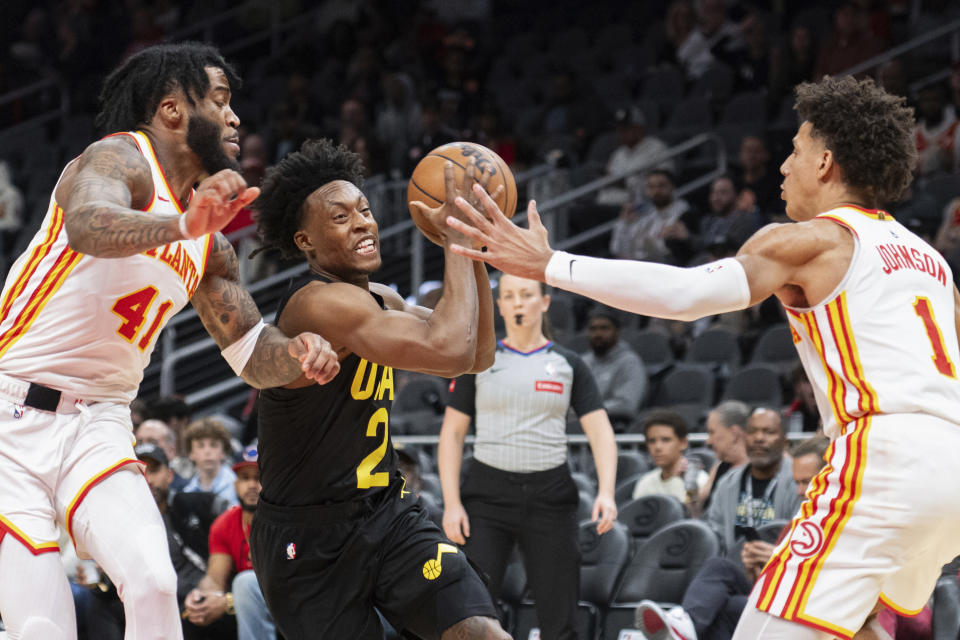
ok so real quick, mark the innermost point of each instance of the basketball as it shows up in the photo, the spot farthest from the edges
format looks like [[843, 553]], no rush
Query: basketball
[[426, 183]]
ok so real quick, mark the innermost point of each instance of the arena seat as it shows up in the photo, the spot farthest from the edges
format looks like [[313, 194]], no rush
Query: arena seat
[[660, 570], [756, 385], [775, 349], [648, 514], [631, 463], [623, 493], [718, 348], [653, 347]]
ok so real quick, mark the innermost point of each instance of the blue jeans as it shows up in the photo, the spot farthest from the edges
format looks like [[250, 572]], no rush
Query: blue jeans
[[254, 621]]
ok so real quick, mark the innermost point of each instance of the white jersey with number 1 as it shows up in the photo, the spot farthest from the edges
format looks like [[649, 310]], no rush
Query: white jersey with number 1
[[881, 518], [87, 325], [885, 341]]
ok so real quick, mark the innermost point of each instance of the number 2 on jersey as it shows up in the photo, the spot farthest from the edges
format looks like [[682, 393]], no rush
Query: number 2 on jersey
[[922, 307], [365, 478], [133, 308]]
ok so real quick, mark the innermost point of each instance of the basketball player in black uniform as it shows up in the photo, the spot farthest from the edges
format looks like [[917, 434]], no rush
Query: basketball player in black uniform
[[336, 533]]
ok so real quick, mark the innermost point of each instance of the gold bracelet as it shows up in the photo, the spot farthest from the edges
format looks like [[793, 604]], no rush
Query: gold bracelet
[[230, 608]]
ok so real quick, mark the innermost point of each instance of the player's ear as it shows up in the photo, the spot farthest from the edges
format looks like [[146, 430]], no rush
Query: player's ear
[[171, 111], [826, 164], [302, 240]]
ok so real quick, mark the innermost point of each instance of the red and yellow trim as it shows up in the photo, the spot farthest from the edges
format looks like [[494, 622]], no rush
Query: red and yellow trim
[[90, 484], [838, 514], [207, 250], [35, 548], [890, 604], [163, 176], [51, 282], [836, 387], [36, 257], [851, 366]]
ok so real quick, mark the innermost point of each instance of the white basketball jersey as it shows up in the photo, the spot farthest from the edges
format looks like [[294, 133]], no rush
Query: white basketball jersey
[[87, 325], [885, 340]]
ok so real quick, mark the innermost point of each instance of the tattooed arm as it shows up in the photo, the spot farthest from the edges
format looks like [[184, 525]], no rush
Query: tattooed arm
[[228, 312], [104, 191]]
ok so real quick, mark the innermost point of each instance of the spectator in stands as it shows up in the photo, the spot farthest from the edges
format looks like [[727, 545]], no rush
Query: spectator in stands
[[757, 176], [431, 133], [937, 128], [209, 443], [717, 595], [637, 154], [803, 413], [716, 38], [762, 491], [678, 25], [158, 433], [726, 435], [650, 231], [518, 489], [751, 64], [849, 43], [175, 413], [398, 120], [666, 437], [11, 212], [230, 556], [792, 62], [618, 370], [726, 227]]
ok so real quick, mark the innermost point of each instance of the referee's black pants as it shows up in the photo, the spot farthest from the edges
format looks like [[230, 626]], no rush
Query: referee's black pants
[[538, 511]]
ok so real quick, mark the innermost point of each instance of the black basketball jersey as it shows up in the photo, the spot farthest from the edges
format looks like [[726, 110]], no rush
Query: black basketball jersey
[[330, 443]]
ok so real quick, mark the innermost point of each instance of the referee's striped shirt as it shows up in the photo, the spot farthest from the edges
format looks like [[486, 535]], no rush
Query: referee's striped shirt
[[519, 406]]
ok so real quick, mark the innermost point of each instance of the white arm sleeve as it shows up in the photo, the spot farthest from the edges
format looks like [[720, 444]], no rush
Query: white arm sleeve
[[652, 289], [238, 354]]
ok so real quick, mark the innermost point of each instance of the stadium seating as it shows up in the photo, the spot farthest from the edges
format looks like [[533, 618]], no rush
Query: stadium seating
[[756, 385], [648, 514]]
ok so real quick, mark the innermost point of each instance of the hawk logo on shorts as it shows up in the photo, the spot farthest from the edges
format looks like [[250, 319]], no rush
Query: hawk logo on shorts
[[806, 540], [432, 568], [291, 551]]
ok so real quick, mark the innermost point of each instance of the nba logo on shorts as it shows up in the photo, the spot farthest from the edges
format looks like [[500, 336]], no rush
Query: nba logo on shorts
[[17, 412], [291, 551], [806, 540]]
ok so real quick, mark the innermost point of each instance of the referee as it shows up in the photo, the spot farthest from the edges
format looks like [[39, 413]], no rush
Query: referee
[[518, 490]]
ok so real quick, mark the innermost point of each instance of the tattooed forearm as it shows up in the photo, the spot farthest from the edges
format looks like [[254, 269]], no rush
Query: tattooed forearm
[[475, 628], [271, 364], [100, 196], [224, 306], [109, 231]]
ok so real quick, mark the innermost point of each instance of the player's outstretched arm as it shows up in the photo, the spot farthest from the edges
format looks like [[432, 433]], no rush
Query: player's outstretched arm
[[103, 193], [261, 354]]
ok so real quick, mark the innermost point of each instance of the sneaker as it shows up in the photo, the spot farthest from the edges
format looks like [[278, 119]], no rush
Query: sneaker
[[659, 625]]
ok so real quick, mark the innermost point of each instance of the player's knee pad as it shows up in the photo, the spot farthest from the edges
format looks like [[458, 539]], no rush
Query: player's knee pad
[[38, 628]]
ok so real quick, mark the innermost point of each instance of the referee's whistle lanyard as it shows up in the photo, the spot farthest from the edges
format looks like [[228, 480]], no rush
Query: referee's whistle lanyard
[[752, 516]]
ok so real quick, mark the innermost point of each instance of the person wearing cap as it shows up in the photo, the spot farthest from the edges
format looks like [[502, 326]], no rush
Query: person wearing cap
[[230, 555], [636, 154]]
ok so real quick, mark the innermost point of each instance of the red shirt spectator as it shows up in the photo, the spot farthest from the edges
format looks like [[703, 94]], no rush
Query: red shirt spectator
[[229, 535]]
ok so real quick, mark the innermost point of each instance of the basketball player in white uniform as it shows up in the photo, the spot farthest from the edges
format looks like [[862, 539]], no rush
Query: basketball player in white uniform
[[125, 244], [874, 313]]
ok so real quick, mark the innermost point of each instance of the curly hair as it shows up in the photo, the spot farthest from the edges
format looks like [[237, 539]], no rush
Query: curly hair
[[287, 185], [132, 91], [869, 131]]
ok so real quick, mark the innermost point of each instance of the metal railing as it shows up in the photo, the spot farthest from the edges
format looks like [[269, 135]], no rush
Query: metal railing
[[951, 30], [173, 355], [51, 85]]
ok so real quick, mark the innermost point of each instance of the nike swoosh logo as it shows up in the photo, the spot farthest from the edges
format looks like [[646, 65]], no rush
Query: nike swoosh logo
[[162, 198], [570, 267]]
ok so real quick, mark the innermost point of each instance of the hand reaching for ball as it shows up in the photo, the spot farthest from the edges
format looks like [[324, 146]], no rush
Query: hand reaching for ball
[[449, 171]]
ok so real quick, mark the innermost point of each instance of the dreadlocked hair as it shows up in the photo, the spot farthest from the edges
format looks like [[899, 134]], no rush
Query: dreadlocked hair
[[286, 186], [869, 131], [133, 90]]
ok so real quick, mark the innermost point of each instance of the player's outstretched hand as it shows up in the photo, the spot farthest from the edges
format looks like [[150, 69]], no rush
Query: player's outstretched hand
[[317, 358], [456, 524], [604, 513], [474, 182], [509, 248], [217, 200]]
